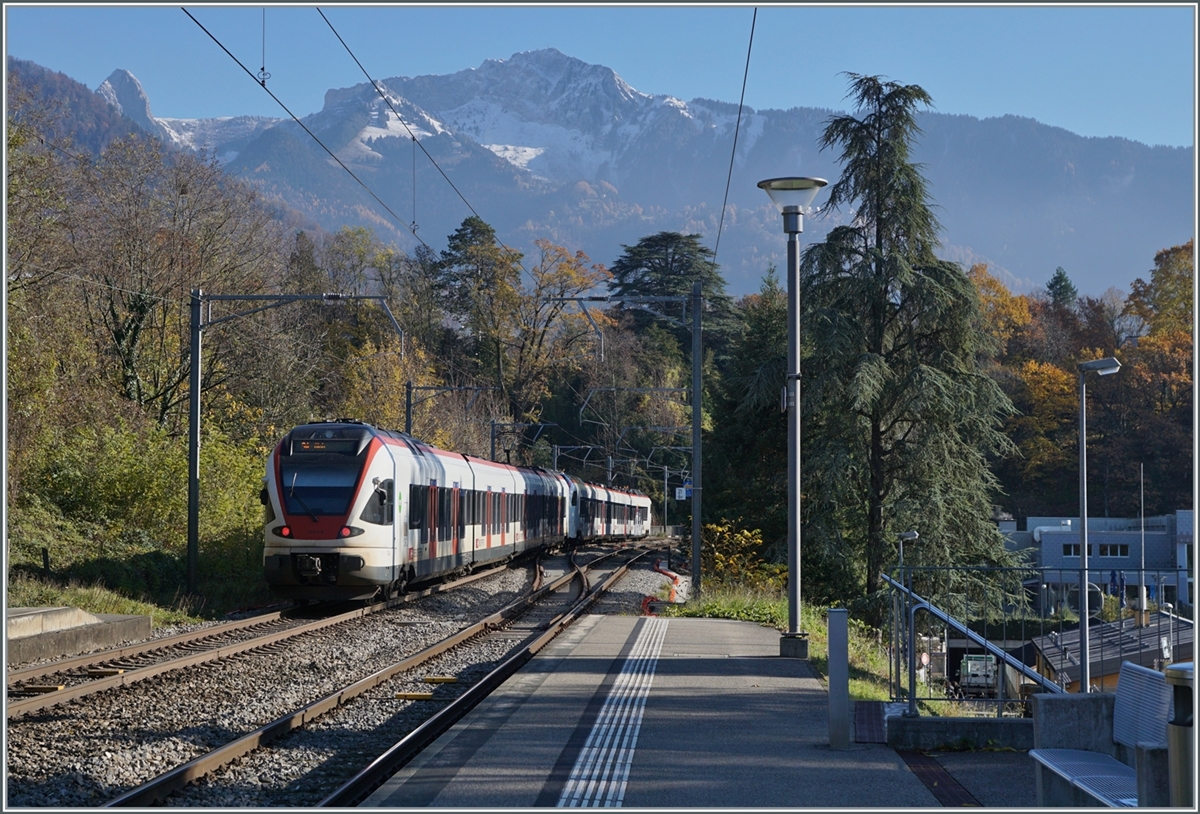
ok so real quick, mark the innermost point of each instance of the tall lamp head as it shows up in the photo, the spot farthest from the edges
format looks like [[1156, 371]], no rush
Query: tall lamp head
[[1102, 367], [792, 197]]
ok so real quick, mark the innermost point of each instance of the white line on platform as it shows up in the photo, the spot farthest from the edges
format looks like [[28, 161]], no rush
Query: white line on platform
[[602, 768]]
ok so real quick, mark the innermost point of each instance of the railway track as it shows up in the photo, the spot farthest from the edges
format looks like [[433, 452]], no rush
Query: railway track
[[459, 681], [215, 761], [46, 685]]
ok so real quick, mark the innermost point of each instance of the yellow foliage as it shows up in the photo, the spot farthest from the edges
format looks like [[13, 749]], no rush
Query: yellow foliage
[[1004, 314], [731, 555], [375, 383], [1051, 394]]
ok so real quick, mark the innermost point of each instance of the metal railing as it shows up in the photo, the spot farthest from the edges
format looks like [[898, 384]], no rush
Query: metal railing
[[988, 637]]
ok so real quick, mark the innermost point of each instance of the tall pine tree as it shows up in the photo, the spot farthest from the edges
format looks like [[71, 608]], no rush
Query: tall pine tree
[[899, 419], [666, 265]]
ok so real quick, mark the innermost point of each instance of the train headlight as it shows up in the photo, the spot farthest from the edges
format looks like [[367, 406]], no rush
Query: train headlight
[[349, 531], [282, 531]]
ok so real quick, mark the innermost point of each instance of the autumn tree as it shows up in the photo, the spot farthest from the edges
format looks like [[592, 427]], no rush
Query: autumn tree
[[38, 170], [151, 228], [1003, 313], [900, 421], [1166, 302], [418, 305], [1044, 478], [547, 329]]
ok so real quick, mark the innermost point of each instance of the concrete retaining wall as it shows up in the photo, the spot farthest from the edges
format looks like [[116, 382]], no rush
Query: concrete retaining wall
[[959, 733], [109, 631]]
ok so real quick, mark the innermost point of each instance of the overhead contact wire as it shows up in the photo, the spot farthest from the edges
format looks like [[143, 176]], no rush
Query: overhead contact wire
[[370, 192], [736, 128], [400, 118]]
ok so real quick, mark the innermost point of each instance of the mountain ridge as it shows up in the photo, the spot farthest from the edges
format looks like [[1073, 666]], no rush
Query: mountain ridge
[[545, 145]]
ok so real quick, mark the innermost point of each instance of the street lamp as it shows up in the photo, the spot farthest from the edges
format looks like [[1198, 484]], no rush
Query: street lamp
[[793, 197], [1102, 367]]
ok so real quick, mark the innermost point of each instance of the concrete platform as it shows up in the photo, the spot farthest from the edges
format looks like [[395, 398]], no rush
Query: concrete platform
[[47, 633], [645, 712]]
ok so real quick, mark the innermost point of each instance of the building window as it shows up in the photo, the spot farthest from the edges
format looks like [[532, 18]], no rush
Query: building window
[[1114, 550], [1072, 549]]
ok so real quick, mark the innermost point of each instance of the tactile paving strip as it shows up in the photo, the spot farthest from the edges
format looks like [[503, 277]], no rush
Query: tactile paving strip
[[868, 722], [945, 788]]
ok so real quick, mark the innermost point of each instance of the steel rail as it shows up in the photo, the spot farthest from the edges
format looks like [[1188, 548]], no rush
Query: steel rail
[[159, 788], [357, 788], [128, 651], [21, 707]]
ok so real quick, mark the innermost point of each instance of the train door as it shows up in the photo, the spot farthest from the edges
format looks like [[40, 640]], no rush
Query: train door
[[391, 503], [503, 518], [487, 517], [431, 511], [378, 546], [456, 521]]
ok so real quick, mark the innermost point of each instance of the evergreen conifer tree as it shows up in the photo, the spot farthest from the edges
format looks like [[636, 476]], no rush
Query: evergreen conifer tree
[[899, 419]]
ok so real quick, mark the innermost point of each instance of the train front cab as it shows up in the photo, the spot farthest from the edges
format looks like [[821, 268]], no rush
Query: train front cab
[[331, 507]]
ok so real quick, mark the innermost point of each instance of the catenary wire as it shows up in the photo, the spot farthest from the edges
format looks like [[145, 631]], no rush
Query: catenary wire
[[736, 128], [370, 192], [412, 135], [400, 118]]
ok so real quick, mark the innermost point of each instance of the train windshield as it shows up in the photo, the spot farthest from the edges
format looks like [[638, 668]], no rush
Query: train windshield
[[319, 475], [319, 484]]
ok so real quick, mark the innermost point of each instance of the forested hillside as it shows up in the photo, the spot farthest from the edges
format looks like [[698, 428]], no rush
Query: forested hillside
[[107, 239]]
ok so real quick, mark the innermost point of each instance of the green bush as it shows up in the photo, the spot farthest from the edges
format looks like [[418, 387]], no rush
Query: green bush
[[120, 477], [110, 508], [733, 556]]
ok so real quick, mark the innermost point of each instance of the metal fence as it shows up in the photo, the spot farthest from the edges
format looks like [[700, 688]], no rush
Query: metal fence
[[980, 640]]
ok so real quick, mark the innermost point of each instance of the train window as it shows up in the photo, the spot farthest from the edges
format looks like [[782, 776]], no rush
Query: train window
[[416, 506], [318, 483], [380, 507], [444, 498], [463, 502]]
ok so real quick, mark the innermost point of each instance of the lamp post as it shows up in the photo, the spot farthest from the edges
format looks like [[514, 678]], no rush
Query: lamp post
[[1169, 653], [793, 197], [1102, 367], [900, 617]]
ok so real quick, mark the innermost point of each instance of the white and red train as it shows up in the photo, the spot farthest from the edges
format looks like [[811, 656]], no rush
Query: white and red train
[[354, 512]]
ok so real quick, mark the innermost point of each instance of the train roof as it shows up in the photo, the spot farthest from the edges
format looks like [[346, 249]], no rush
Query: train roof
[[350, 428]]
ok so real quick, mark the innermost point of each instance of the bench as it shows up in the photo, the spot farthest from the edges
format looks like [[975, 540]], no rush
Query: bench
[[1123, 762]]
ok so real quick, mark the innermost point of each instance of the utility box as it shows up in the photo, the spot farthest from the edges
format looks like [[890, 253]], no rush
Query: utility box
[[977, 676]]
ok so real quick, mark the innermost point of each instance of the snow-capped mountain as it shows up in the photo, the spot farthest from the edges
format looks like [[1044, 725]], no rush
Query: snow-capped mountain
[[220, 137], [545, 145], [123, 91]]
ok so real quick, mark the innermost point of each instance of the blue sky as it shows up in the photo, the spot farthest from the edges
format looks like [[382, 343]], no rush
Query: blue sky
[[1114, 70]]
